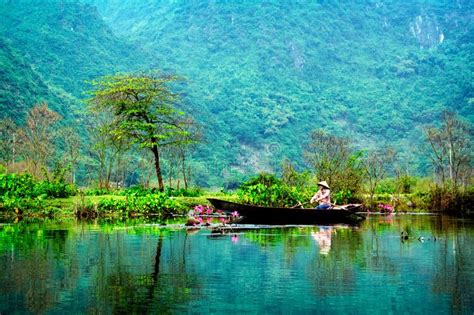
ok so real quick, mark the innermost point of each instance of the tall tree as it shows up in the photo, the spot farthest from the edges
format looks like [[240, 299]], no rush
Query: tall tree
[[179, 152], [105, 147], [143, 109], [451, 151], [333, 160], [72, 153], [375, 165], [37, 137], [8, 135]]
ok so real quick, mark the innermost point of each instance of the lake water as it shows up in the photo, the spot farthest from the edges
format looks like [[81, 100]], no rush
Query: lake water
[[135, 267]]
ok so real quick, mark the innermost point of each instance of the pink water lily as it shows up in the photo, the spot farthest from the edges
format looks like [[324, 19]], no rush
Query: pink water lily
[[198, 209], [387, 208], [204, 213]]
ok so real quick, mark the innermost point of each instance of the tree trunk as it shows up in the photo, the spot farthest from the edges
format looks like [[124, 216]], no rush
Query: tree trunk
[[108, 171], [156, 154], [184, 171], [170, 174]]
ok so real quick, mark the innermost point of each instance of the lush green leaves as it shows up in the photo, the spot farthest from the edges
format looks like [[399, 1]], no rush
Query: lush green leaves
[[261, 75], [268, 190], [142, 108], [22, 191], [156, 203]]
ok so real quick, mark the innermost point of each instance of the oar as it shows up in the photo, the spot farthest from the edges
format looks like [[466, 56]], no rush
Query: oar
[[299, 204]]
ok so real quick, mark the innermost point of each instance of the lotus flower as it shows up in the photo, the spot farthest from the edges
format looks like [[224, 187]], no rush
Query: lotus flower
[[223, 220], [385, 208], [198, 209]]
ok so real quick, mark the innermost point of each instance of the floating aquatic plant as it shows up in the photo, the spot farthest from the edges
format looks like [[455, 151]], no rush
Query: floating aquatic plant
[[203, 214]]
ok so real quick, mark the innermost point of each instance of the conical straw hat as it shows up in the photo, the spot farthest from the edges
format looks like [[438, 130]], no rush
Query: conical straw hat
[[324, 184]]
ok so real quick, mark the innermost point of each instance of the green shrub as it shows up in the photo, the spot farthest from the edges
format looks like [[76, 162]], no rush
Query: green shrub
[[152, 203], [112, 205], [386, 186], [405, 184], [190, 192], [449, 198], [96, 192], [19, 204], [54, 189], [21, 191], [170, 192], [342, 196], [16, 185], [268, 190], [138, 190]]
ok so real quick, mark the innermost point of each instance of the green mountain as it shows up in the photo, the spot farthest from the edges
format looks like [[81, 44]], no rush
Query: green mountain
[[263, 74], [49, 49], [21, 85], [260, 75]]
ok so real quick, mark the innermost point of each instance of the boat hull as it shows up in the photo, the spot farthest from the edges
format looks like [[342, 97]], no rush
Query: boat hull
[[270, 215]]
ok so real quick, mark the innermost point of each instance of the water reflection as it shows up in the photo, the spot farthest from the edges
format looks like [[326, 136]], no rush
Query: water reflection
[[125, 267], [323, 239]]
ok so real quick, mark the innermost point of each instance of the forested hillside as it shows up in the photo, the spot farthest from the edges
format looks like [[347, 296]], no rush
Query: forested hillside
[[21, 85], [265, 74], [260, 75], [49, 50]]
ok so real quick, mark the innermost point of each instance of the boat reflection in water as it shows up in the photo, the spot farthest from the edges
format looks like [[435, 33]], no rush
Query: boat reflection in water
[[323, 239]]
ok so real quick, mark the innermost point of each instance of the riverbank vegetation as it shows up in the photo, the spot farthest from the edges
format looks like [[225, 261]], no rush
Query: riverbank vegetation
[[137, 129]]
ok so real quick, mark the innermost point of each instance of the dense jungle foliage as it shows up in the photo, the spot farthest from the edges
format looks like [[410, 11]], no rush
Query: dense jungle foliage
[[260, 76], [263, 74]]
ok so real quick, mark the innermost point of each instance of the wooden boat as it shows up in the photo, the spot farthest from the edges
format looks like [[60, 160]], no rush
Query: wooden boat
[[272, 215]]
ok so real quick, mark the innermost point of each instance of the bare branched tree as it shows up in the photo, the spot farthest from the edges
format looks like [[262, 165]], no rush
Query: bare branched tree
[[333, 161], [37, 137], [451, 150], [375, 165]]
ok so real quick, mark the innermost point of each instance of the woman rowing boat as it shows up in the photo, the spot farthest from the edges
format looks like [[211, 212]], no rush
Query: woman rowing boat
[[323, 196]]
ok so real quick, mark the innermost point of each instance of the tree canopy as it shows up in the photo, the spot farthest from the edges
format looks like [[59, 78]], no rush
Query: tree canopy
[[143, 111]]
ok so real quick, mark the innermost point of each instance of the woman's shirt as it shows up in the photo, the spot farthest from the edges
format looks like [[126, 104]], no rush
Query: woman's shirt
[[324, 196]]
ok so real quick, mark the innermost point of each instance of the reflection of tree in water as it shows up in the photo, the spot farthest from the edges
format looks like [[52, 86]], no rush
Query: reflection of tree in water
[[453, 273], [34, 266], [156, 270], [291, 238], [446, 271], [41, 268], [158, 286], [27, 277]]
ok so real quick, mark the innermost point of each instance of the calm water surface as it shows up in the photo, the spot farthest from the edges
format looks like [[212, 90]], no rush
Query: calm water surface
[[135, 267]]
